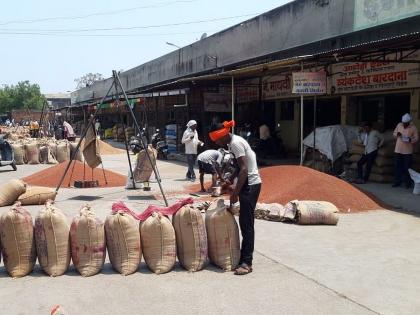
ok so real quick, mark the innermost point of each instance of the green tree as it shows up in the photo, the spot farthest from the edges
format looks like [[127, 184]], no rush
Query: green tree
[[22, 95]]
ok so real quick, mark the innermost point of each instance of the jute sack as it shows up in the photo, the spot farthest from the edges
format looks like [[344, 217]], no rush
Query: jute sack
[[63, 152], [19, 153], [384, 161], [123, 242], [144, 168], [37, 195], [11, 191], [53, 149], [381, 178], [384, 170], [88, 246], [355, 158], [52, 240], [191, 238], [79, 154], [387, 151], [17, 241], [43, 154], [32, 153], [158, 243], [314, 212], [223, 236], [355, 149]]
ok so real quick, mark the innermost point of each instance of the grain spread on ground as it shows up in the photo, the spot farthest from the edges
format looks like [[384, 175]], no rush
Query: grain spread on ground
[[51, 176], [282, 184]]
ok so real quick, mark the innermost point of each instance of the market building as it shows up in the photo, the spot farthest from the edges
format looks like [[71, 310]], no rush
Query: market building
[[368, 49]]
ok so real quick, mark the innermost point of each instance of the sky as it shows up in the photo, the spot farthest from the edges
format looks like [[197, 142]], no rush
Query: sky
[[52, 42]]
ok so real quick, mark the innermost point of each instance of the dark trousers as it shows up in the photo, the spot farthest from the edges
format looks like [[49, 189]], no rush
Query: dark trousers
[[248, 198], [191, 162], [367, 159], [402, 164]]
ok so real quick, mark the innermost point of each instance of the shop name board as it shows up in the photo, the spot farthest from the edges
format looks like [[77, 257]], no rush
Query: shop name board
[[374, 76], [247, 91], [217, 102], [277, 86], [368, 13], [309, 83]]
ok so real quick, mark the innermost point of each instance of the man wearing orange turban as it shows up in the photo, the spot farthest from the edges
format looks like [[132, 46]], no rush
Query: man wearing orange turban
[[247, 189]]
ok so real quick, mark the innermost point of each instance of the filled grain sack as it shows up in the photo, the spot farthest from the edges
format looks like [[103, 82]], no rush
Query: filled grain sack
[[76, 156], [43, 154], [384, 161], [357, 149], [32, 153], [52, 240], [191, 238], [158, 243], [354, 158], [144, 168], [314, 212], [223, 236], [123, 242], [387, 150], [63, 152], [88, 245], [381, 178], [11, 191], [37, 195], [91, 148], [17, 241], [19, 153], [53, 149]]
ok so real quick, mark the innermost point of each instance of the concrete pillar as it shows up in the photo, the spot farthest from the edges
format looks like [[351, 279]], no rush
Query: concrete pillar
[[344, 109]]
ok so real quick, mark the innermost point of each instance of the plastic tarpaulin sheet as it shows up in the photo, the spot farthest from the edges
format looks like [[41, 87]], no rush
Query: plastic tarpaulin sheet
[[332, 141]]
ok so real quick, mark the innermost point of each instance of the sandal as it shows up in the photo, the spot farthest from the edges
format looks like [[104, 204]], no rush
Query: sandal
[[243, 269]]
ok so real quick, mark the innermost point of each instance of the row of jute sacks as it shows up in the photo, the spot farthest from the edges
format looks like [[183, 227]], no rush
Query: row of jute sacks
[[383, 169], [44, 151], [17, 190], [125, 235]]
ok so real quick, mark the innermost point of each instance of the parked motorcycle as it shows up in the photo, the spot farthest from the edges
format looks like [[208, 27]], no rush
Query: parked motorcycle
[[6, 154], [159, 143]]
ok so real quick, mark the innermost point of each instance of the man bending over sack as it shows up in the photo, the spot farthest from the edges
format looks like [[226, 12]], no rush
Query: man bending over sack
[[247, 189], [209, 162]]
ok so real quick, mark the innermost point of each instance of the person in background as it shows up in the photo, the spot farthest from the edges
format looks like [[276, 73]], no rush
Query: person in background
[[209, 162], [265, 139], [407, 135], [97, 127], [247, 189], [191, 141], [372, 140]]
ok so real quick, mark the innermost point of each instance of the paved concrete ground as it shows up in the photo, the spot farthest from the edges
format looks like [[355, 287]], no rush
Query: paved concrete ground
[[368, 264], [398, 198]]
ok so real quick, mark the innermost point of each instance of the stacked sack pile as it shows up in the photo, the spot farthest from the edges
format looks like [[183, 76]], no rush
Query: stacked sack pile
[[129, 132], [43, 151], [16, 190], [118, 132], [384, 168], [15, 133], [126, 235]]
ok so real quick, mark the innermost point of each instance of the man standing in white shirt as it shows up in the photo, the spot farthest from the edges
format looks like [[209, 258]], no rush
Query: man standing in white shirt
[[247, 189], [372, 141], [191, 141]]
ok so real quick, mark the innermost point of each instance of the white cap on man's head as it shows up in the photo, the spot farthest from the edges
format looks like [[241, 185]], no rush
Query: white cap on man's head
[[406, 118], [191, 123]]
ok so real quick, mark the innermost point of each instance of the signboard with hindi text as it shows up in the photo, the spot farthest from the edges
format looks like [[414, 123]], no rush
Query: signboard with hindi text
[[277, 86], [309, 82], [374, 76]]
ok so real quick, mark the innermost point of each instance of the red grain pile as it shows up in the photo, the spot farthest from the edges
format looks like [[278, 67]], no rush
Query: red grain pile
[[282, 184], [51, 176]]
